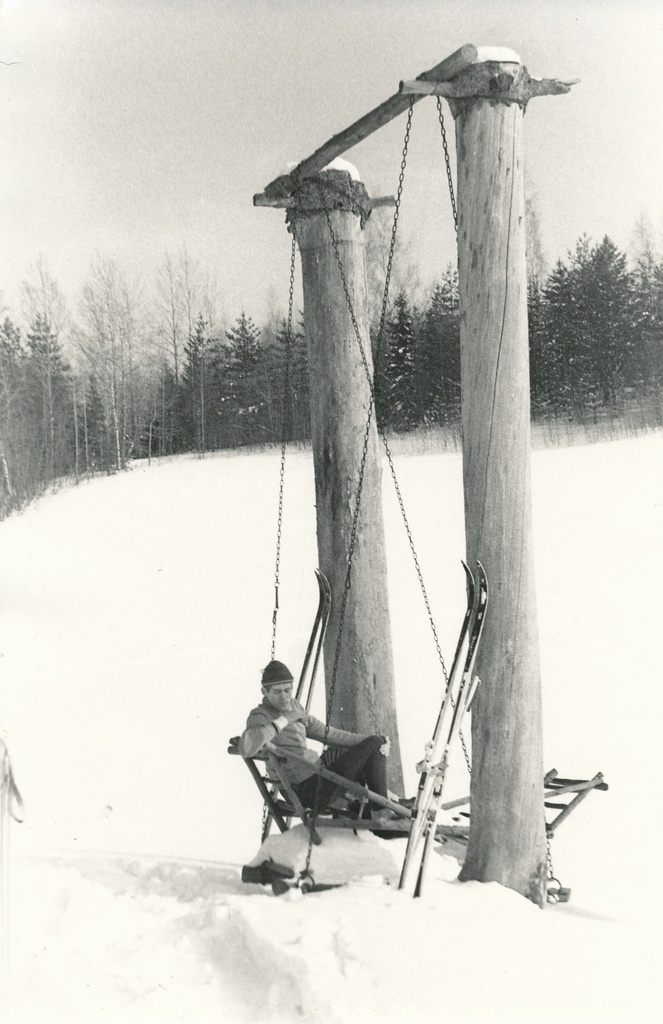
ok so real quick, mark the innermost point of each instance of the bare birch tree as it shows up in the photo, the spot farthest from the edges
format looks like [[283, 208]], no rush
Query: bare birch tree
[[107, 337]]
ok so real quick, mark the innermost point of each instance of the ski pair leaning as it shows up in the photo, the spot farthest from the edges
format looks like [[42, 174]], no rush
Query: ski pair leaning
[[456, 700], [311, 661], [316, 641]]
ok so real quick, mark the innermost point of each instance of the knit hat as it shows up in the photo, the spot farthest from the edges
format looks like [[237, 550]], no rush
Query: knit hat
[[276, 672]]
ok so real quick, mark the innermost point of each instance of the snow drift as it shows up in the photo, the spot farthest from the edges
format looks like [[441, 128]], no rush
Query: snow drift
[[136, 619]]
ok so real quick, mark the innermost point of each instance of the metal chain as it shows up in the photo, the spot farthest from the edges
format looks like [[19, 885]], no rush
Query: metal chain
[[284, 439], [447, 162], [468, 760], [551, 897], [351, 548], [367, 432], [372, 406], [371, 385], [394, 226], [382, 435]]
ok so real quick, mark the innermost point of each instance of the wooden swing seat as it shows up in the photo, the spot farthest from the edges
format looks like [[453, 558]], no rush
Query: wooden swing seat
[[283, 804]]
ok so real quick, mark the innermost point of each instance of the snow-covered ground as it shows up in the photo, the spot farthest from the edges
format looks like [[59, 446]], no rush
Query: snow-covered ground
[[136, 616]]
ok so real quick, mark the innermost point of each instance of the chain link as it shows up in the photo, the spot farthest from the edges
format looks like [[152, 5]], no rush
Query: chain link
[[284, 439]]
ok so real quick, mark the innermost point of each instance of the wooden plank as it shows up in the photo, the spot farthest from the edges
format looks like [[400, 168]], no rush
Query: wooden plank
[[377, 118], [364, 824], [575, 786], [266, 795], [483, 81], [450, 804], [363, 792], [452, 831], [367, 824], [565, 813], [288, 202], [597, 782]]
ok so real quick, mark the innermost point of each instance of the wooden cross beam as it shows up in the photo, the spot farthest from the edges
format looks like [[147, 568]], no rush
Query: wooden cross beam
[[479, 75], [286, 184]]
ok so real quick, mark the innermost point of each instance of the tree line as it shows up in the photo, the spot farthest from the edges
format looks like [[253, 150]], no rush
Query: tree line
[[124, 379], [595, 340]]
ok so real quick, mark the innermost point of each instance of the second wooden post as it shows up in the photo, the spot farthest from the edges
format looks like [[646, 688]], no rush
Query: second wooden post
[[364, 696], [507, 836]]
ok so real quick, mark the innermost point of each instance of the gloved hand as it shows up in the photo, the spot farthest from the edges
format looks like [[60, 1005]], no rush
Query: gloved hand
[[288, 717], [385, 749]]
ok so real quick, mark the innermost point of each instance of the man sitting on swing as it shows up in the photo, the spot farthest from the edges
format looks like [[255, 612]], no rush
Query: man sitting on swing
[[281, 720]]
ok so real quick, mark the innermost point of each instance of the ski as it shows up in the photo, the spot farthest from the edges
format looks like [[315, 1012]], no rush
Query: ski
[[316, 640], [424, 789], [466, 691], [311, 659]]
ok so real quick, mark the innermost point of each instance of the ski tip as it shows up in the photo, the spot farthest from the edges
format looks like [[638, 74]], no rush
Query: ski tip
[[322, 579]]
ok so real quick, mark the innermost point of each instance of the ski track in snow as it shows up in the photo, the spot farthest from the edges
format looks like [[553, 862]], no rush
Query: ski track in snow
[[136, 615]]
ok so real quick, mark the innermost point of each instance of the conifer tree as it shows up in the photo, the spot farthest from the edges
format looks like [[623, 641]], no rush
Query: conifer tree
[[438, 354], [12, 418], [585, 395], [47, 387], [644, 369], [242, 386], [195, 376], [610, 316], [555, 353], [294, 393], [401, 395], [537, 362]]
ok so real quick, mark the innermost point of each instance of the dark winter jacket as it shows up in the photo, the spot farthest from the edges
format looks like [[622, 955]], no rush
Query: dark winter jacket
[[292, 738]]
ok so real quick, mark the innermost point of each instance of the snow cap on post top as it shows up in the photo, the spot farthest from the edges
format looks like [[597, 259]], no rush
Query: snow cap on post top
[[276, 672]]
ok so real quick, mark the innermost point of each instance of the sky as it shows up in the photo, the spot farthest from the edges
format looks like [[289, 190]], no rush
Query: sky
[[134, 127]]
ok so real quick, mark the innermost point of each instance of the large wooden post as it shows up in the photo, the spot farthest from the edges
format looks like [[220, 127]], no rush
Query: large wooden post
[[507, 840], [364, 698]]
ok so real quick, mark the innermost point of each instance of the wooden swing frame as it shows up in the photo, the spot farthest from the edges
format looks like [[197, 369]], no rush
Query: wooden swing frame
[[469, 74]]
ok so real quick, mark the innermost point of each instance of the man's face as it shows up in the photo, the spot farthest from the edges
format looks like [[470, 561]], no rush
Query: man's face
[[279, 696]]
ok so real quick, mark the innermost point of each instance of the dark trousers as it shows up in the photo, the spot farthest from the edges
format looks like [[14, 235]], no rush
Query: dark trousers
[[363, 763]]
